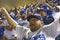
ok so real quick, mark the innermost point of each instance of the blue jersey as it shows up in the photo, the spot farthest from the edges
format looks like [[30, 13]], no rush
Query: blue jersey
[[16, 19], [46, 9], [48, 20], [1, 32], [39, 37]]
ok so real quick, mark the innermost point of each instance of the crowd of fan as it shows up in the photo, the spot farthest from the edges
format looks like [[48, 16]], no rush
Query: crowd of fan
[[45, 10]]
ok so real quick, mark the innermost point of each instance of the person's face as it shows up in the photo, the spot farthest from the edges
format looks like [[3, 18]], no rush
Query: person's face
[[23, 16], [1, 21], [43, 13], [35, 24]]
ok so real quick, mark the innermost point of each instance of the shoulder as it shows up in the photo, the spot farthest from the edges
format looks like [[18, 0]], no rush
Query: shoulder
[[21, 27], [56, 15]]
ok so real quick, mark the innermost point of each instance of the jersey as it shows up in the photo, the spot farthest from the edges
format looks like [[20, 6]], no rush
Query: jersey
[[46, 9], [12, 14], [21, 32], [5, 23], [23, 23], [48, 32], [10, 34], [48, 19], [56, 15]]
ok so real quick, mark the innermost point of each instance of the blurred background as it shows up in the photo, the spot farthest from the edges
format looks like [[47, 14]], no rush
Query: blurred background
[[9, 4]]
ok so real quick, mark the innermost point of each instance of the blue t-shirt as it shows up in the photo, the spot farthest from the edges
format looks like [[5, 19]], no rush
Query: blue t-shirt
[[46, 9], [16, 19], [1, 32], [48, 19]]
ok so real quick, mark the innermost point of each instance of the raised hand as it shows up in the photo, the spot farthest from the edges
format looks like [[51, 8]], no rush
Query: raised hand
[[1, 10]]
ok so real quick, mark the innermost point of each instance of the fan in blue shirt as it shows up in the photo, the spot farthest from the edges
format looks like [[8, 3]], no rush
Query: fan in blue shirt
[[1, 29]]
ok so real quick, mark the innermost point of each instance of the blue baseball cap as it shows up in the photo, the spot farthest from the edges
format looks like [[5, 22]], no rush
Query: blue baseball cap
[[22, 11], [37, 16]]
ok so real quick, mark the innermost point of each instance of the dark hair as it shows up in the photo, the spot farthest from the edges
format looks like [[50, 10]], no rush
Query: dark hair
[[30, 17], [38, 10]]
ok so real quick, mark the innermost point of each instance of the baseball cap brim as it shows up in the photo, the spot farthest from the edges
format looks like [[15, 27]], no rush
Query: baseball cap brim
[[34, 16], [30, 17]]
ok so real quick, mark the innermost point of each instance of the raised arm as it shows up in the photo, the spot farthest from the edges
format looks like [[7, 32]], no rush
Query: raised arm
[[50, 7], [9, 19]]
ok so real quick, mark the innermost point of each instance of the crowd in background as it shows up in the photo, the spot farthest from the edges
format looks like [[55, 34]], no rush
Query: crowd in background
[[45, 10]]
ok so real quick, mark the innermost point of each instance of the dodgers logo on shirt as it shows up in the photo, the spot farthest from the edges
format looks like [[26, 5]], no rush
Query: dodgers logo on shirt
[[39, 37]]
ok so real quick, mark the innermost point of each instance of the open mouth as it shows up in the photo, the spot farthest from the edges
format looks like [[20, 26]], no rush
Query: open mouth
[[32, 24]]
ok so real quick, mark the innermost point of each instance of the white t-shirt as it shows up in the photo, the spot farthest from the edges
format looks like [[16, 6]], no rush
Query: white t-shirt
[[12, 14], [21, 32], [56, 15], [23, 23], [10, 34], [50, 31], [58, 7], [5, 23]]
